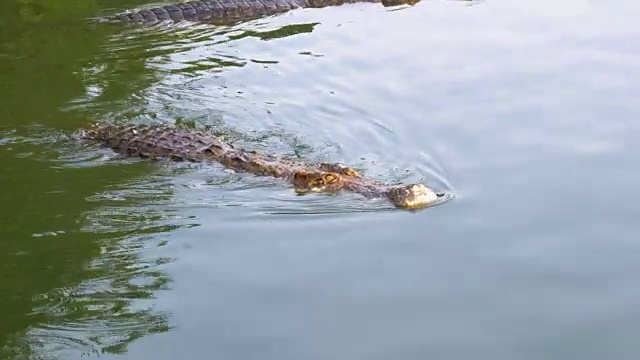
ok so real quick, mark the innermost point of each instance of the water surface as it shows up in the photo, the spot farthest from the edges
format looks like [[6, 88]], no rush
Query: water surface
[[526, 111]]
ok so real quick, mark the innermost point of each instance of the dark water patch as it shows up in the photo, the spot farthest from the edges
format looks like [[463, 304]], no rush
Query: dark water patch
[[113, 304], [89, 299], [284, 31]]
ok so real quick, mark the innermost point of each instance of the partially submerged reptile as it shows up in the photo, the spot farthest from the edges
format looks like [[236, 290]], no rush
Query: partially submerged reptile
[[227, 11], [165, 142]]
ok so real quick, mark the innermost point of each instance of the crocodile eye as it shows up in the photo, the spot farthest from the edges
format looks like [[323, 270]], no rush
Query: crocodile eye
[[330, 178], [299, 175]]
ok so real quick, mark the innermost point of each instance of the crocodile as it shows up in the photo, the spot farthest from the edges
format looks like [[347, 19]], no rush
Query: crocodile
[[158, 142], [228, 11]]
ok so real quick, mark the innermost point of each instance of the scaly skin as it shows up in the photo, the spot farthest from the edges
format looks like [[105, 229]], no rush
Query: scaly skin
[[163, 142], [226, 11]]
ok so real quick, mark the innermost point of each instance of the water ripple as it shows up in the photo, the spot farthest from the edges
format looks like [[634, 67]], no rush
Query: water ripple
[[114, 305], [257, 85]]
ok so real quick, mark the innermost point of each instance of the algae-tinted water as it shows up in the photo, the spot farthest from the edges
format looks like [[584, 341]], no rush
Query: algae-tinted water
[[526, 111]]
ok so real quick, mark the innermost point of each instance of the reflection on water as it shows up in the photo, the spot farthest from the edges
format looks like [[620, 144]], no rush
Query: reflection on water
[[113, 303], [162, 68], [281, 32]]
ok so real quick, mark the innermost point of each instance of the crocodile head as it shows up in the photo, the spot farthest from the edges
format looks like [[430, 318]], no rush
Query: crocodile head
[[406, 196], [411, 196], [316, 181]]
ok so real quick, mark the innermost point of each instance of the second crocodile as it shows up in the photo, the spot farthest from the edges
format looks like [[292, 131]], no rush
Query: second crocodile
[[228, 11]]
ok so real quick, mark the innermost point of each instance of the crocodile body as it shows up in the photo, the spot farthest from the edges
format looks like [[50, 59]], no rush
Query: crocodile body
[[176, 144], [226, 11]]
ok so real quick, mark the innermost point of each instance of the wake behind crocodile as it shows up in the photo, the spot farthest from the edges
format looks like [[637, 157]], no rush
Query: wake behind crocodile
[[160, 142]]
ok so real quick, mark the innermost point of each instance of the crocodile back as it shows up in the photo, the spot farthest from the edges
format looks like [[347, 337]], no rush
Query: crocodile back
[[158, 142]]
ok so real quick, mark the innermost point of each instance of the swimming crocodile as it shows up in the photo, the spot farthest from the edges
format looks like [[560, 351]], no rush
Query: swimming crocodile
[[226, 11], [177, 144]]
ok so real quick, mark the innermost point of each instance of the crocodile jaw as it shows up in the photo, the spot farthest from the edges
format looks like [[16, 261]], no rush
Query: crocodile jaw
[[412, 196]]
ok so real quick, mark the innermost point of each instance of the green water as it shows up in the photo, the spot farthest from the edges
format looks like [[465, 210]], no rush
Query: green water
[[526, 111]]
